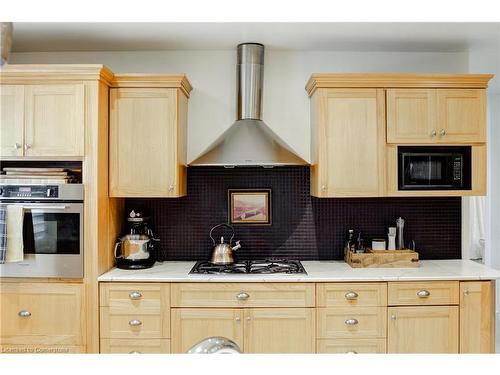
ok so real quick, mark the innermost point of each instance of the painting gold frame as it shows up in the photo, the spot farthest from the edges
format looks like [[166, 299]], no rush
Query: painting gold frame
[[264, 194]]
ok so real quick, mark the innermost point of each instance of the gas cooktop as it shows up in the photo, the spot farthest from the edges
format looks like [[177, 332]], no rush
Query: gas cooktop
[[266, 266]]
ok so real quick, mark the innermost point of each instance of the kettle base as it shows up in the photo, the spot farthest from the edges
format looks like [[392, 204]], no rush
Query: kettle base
[[134, 265]]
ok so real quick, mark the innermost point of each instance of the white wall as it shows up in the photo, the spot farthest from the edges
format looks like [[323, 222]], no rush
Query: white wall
[[286, 105]]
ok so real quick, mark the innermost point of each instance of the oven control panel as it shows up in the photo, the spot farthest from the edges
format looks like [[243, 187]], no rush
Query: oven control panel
[[29, 191]]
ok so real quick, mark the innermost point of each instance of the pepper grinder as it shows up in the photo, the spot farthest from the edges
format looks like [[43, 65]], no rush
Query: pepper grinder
[[400, 223]]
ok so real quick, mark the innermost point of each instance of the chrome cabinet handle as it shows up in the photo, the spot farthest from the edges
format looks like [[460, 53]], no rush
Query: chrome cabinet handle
[[135, 295], [17, 146], [433, 133], [248, 318], [323, 187], [242, 296], [351, 295], [423, 293], [351, 322], [27, 146], [393, 317], [237, 319], [171, 188], [466, 292], [135, 322], [24, 314], [442, 133]]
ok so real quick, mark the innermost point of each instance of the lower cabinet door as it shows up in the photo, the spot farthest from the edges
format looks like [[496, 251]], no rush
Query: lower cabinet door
[[355, 346], [190, 326], [135, 346], [279, 330], [422, 329]]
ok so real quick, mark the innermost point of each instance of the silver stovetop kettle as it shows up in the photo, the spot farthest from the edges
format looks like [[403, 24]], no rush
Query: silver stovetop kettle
[[222, 253]]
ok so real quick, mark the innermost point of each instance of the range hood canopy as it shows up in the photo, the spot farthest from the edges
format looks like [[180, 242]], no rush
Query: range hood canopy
[[249, 141]]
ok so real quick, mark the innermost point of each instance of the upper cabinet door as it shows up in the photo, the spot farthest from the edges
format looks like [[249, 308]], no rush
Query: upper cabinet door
[[144, 155], [461, 116], [54, 120], [348, 137], [411, 116], [11, 120]]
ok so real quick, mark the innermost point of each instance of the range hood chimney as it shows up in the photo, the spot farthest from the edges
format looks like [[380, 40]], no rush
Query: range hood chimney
[[249, 141]]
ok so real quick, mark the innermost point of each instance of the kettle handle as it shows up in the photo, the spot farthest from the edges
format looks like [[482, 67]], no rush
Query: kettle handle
[[117, 245], [222, 225]]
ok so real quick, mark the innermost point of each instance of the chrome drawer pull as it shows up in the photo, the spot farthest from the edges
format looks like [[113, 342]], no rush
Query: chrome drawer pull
[[351, 322], [134, 352], [423, 293], [351, 352], [24, 314], [135, 295], [135, 322], [351, 295], [242, 296]]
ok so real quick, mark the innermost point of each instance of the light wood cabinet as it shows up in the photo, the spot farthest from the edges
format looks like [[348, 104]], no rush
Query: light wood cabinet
[[279, 330], [11, 120], [148, 141], [190, 326], [423, 293], [423, 329], [436, 116], [477, 314], [347, 322], [135, 310], [351, 294], [411, 115], [461, 116], [354, 346], [49, 315], [43, 120], [243, 295], [54, 120], [347, 145], [135, 346]]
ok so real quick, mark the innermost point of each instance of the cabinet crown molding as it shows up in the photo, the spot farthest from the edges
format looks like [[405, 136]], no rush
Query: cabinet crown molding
[[57, 73], [390, 80], [153, 80]]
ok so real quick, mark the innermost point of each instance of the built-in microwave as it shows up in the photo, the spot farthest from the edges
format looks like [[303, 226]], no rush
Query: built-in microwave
[[52, 230], [434, 167]]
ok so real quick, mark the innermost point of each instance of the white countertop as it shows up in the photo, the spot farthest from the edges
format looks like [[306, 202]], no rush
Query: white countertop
[[317, 271]]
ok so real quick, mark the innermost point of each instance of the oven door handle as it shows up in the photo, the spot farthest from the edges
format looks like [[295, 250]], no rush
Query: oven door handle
[[44, 207]]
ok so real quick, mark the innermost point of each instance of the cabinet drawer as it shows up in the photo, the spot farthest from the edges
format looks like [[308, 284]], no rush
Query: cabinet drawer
[[423, 293], [352, 346], [118, 324], [346, 322], [136, 298], [41, 313], [243, 295], [135, 346], [351, 294]]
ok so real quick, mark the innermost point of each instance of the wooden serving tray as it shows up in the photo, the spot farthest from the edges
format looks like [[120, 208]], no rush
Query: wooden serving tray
[[383, 259]]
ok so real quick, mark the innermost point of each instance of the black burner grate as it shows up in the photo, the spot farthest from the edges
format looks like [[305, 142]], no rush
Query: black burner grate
[[266, 266]]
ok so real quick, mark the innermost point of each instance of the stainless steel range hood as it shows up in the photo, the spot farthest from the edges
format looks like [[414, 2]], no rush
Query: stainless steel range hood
[[249, 141]]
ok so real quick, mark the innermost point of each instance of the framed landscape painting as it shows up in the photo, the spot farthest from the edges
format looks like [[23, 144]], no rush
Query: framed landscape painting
[[249, 206]]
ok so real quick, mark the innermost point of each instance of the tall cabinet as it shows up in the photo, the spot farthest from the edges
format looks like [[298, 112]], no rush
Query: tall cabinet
[[59, 112]]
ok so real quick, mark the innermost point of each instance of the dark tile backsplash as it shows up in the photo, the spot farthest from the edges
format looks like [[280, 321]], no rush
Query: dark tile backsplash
[[303, 227]]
